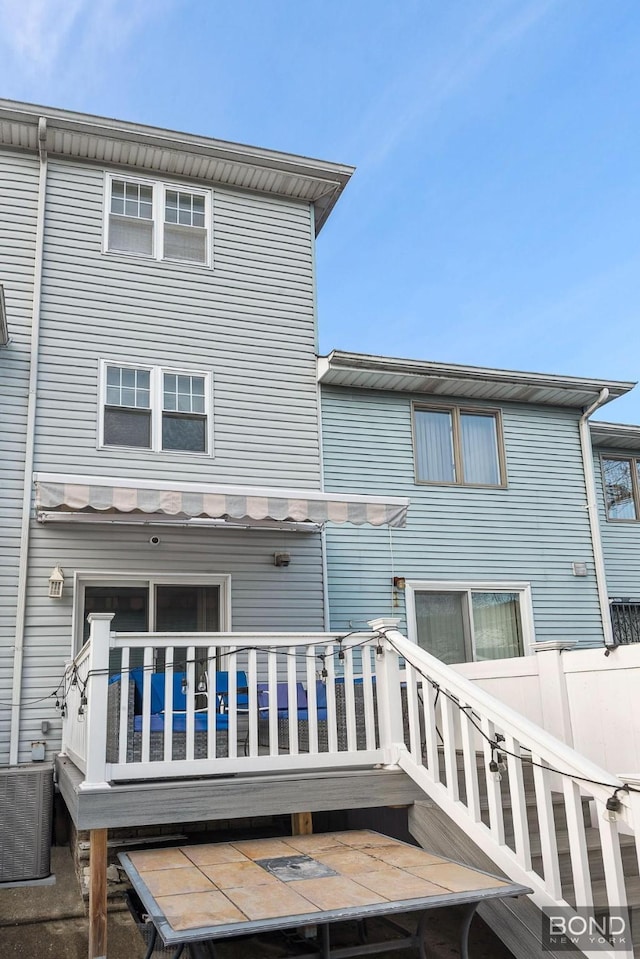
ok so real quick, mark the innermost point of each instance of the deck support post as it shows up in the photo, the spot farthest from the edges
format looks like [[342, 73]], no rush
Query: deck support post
[[98, 894], [301, 823]]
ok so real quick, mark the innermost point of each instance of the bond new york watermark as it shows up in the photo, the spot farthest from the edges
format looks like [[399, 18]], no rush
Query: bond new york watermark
[[568, 930]]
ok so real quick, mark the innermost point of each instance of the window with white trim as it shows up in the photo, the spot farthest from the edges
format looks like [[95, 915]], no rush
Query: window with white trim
[[155, 408], [158, 220], [459, 623]]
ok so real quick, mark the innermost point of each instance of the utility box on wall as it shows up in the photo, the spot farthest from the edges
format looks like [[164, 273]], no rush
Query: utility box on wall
[[26, 810]]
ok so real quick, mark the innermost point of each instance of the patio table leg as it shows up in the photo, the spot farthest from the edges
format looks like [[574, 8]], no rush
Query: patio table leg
[[152, 943], [464, 931], [325, 940]]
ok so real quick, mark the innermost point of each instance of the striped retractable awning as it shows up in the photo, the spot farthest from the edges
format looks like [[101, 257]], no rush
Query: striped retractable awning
[[234, 503]]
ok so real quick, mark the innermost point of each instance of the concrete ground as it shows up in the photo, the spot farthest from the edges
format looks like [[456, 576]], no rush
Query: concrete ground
[[49, 922]]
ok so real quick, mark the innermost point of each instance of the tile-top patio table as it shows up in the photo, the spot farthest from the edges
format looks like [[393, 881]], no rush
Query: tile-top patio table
[[220, 890]]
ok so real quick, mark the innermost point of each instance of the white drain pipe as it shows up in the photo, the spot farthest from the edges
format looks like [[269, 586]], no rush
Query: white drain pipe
[[18, 653], [594, 522]]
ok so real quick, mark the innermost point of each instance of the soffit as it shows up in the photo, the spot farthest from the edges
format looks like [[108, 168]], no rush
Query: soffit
[[362, 371], [154, 150], [615, 436]]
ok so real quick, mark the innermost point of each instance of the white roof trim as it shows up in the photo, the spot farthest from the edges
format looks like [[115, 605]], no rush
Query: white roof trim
[[618, 436], [367, 371], [153, 149]]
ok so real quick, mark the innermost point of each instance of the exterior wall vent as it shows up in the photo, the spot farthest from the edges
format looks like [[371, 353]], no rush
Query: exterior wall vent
[[26, 809]]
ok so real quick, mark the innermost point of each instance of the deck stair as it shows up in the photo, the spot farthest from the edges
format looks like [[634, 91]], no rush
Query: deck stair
[[502, 794], [517, 922]]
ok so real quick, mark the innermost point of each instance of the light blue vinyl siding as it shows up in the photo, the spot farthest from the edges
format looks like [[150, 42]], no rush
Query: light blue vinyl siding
[[18, 206], [531, 531], [620, 541]]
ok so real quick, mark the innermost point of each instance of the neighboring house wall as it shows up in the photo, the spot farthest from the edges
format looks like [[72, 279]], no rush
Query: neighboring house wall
[[620, 540], [18, 205], [532, 531]]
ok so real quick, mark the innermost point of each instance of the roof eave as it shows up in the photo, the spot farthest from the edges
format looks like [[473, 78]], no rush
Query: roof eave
[[117, 142], [406, 375], [618, 436]]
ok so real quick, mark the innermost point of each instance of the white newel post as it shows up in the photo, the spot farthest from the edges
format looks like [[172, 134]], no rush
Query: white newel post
[[96, 692], [390, 723], [554, 698]]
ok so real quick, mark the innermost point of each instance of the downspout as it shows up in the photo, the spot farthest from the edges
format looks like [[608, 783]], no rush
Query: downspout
[[18, 653], [594, 522], [323, 535]]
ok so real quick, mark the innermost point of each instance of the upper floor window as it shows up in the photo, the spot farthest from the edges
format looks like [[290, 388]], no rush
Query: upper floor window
[[155, 409], [458, 446], [621, 487], [158, 220]]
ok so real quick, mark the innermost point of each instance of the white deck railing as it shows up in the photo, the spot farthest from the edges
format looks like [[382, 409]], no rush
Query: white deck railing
[[155, 708], [370, 698]]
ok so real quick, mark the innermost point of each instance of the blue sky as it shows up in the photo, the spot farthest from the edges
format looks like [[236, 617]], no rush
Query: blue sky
[[494, 218]]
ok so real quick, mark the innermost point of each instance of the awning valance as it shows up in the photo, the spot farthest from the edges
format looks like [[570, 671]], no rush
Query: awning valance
[[86, 495]]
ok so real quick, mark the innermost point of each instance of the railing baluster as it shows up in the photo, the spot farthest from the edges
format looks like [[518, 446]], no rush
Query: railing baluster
[[168, 703], [449, 746], [252, 679], [611, 858], [292, 700], [190, 675], [413, 721], [147, 669], [349, 699], [232, 706], [577, 844], [123, 717], [430, 700], [494, 793], [272, 701], [212, 702], [518, 802], [547, 827], [312, 698], [368, 694], [468, 741], [330, 680]]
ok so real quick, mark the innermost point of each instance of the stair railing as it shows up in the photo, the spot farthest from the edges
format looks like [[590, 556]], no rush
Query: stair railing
[[449, 723]]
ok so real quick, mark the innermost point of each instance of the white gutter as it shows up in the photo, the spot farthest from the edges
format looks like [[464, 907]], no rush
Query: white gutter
[[594, 522], [18, 654]]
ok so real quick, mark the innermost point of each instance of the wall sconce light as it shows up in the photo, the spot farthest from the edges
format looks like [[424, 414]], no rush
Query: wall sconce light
[[56, 582], [281, 559], [399, 582]]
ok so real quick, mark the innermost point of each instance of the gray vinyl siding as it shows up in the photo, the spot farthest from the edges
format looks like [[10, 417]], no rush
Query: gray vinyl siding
[[249, 320], [264, 597], [18, 205], [531, 531], [620, 541]]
